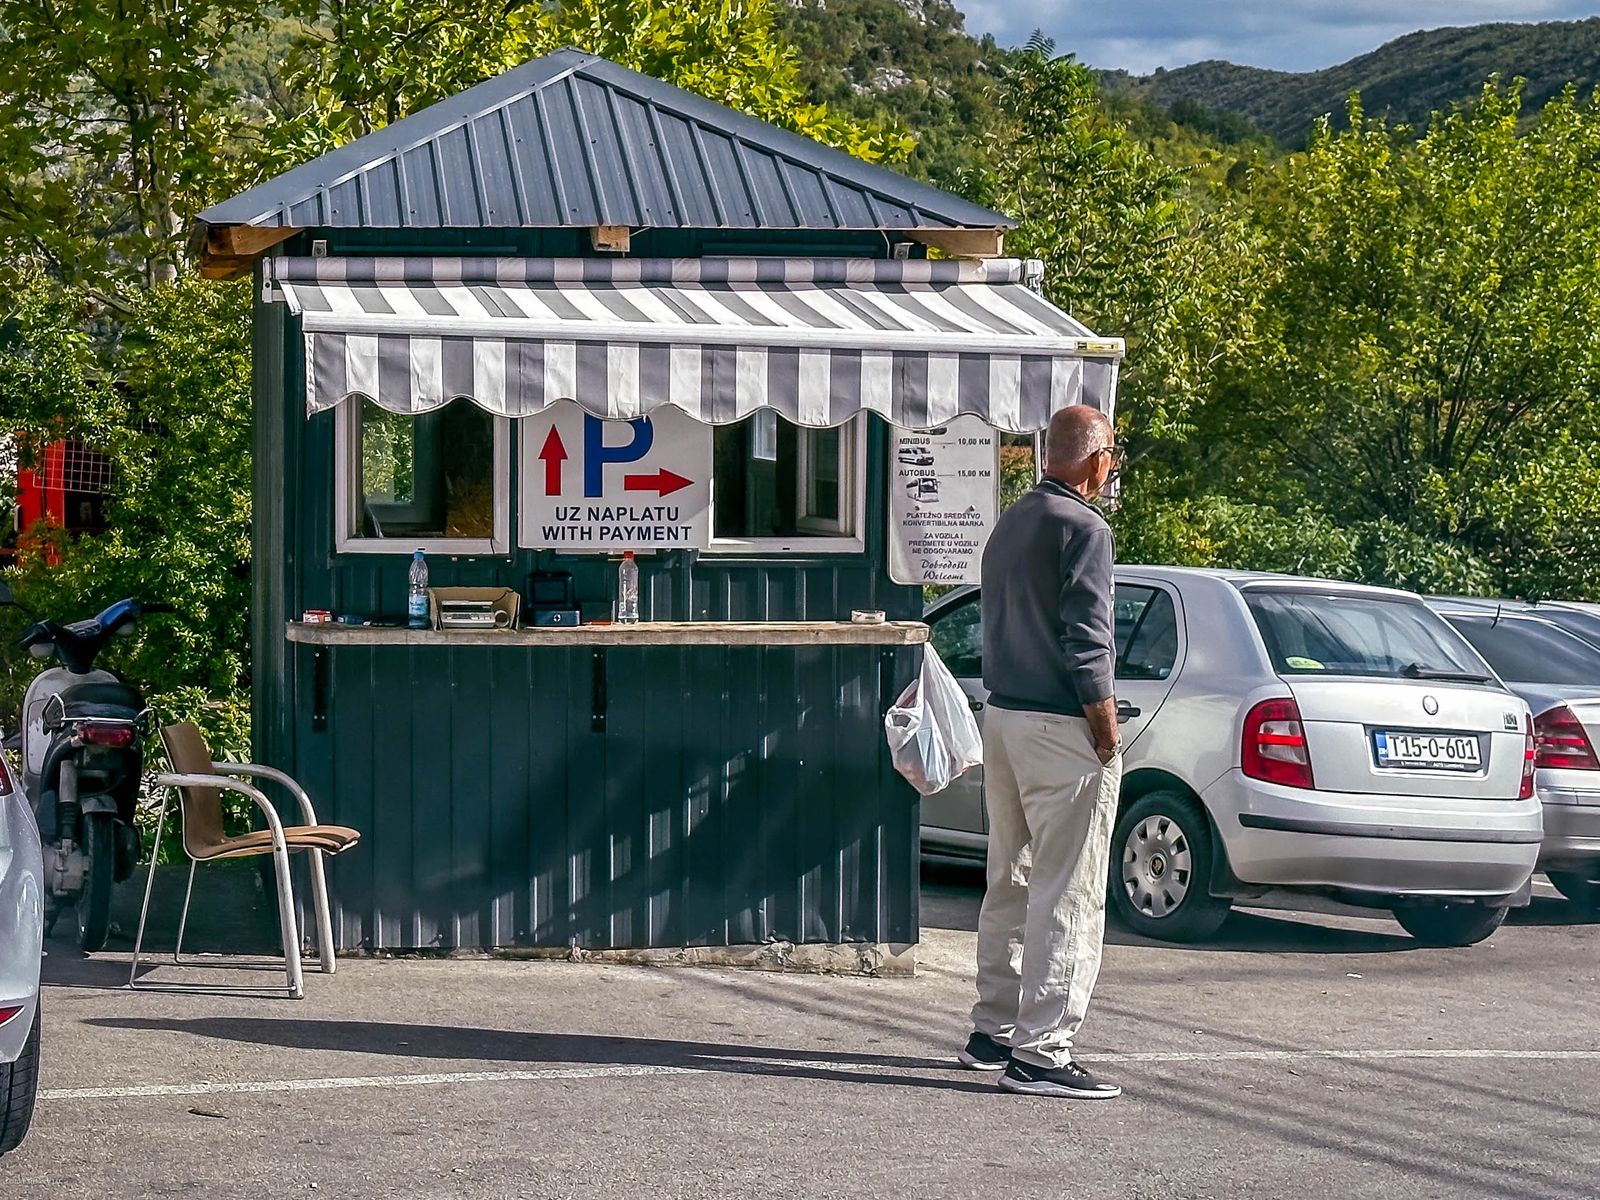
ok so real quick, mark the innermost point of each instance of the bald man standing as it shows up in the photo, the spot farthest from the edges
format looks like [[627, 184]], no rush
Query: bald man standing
[[1052, 761]]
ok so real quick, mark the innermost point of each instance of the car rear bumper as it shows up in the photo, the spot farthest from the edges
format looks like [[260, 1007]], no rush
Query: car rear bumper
[[1378, 844], [1571, 826]]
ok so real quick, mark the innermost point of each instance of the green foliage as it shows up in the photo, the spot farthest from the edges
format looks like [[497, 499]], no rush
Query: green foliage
[[360, 66], [1215, 531], [907, 66], [1427, 354], [1127, 249], [172, 412], [113, 132]]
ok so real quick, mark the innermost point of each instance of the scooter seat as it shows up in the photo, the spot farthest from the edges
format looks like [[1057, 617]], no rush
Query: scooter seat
[[105, 700]]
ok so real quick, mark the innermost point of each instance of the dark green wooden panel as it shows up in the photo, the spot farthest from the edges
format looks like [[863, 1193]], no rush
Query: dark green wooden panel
[[387, 842]]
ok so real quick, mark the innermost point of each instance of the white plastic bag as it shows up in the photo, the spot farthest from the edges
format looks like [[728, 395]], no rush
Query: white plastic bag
[[932, 736]]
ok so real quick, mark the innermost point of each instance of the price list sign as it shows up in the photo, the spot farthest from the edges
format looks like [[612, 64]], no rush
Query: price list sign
[[944, 494]]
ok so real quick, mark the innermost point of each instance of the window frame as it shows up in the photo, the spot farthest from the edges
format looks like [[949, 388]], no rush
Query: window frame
[[1119, 663], [347, 470], [853, 500]]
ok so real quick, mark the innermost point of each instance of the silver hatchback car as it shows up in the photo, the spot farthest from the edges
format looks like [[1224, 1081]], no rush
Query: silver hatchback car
[[1286, 734]]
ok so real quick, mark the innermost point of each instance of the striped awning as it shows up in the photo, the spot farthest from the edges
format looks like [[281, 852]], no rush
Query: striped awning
[[918, 342]]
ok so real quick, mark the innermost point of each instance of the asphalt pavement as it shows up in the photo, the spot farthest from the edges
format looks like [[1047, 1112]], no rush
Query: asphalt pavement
[[1296, 1055]]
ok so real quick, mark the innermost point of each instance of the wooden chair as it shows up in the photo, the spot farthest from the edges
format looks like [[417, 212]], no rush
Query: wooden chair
[[199, 782]]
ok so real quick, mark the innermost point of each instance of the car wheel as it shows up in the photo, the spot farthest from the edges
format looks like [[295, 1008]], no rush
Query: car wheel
[[19, 1085], [1161, 856], [1450, 924], [1580, 887]]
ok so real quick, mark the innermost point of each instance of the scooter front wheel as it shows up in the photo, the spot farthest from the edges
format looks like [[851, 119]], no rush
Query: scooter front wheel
[[100, 864]]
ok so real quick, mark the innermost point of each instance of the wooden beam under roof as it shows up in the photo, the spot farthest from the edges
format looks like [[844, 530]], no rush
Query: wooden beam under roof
[[962, 243], [614, 239], [231, 250]]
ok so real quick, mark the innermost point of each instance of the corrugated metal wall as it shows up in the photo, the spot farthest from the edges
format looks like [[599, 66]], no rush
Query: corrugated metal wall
[[737, 794]]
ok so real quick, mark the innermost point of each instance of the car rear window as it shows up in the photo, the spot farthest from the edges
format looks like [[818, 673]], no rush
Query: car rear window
[[1321, 633], [1524, 651], [1578, 621]]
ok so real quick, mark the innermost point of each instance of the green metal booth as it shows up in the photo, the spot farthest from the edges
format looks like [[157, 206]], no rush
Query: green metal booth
[[575, 311]]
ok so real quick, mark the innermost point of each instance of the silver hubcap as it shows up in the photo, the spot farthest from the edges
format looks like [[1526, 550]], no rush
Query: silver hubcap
[[1156, 866]]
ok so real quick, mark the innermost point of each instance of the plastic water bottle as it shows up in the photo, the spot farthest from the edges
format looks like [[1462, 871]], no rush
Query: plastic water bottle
[[628, 590], [417, 595]]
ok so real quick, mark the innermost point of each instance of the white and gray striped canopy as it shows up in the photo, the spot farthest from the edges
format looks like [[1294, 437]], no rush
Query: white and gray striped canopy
[[819, 340]]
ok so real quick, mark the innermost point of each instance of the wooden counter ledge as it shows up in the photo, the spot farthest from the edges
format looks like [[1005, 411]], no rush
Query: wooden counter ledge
[[646, 633]]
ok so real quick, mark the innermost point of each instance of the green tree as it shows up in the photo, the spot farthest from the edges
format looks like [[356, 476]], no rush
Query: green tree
[[1430, 357], [1127, 246], [361, 66], [113, 132], [170, 407]]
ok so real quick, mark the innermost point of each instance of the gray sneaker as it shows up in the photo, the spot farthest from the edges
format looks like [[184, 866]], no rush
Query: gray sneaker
[[983, 1053], [1073, 1082]]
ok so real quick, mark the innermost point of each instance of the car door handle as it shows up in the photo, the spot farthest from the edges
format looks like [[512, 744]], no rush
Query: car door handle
[[1126, 711]]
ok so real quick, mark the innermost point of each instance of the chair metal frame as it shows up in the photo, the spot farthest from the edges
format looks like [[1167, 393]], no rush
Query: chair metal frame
[[231, 777]]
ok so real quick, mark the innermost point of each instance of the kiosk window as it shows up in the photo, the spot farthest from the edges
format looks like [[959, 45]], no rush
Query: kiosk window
[[776, 485], [436, 481]]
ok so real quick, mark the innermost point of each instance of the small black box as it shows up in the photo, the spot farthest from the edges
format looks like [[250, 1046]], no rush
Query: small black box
[[557, 616]]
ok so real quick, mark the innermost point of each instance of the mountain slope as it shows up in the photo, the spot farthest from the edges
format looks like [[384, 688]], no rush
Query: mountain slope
[[909, 60], [1407, 78]]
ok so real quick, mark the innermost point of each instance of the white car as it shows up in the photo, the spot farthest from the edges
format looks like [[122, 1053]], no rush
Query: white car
[[21, 945], [1290, 735]]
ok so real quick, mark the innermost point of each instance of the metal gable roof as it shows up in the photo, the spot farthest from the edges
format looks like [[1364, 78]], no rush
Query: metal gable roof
[[573, 140]]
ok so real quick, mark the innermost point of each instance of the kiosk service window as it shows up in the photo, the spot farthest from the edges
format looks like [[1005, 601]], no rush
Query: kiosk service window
[[442, 481]]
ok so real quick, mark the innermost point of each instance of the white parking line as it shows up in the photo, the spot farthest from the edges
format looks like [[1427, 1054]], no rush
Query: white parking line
[[221, 1088], [755, 1066], [1159, 1056]]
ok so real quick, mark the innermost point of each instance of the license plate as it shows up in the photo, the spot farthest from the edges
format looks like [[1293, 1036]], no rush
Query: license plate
[[1428, 751]]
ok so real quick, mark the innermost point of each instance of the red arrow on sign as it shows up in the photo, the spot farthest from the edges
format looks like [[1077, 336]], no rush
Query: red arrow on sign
[[663, 482], [552, 455]]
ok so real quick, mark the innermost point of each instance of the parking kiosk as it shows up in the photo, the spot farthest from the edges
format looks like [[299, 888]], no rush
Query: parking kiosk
[[571, 312]]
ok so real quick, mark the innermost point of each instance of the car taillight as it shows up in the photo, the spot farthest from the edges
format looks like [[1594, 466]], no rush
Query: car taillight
[[1274, 747], [8, 1011], [5, 777], [98, 733], [1530, 759], [1561, 743]]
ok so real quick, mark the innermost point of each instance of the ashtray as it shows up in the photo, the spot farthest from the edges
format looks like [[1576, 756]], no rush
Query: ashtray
[[866, 616]]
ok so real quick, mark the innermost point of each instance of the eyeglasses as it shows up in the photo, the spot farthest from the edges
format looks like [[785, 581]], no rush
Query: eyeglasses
[[1119, 457]]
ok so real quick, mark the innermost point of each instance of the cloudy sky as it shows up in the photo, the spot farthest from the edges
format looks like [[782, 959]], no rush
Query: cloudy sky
[[1290, 35]]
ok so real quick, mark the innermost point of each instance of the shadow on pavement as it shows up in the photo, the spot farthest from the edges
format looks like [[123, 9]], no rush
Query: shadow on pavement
[[952, 894], [555, 1049], [1546, 910]]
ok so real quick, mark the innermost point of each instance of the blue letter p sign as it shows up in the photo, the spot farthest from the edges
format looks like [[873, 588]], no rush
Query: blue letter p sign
[[596, 454]]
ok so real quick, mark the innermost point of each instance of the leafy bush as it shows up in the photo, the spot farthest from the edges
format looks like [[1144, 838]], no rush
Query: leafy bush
[[1214, 531], [175, 425]]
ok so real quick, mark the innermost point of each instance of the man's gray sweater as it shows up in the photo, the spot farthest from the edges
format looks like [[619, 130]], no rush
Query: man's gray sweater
[[1048, 644]]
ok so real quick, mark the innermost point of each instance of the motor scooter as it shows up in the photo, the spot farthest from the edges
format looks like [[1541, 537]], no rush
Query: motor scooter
[[82, 761]]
